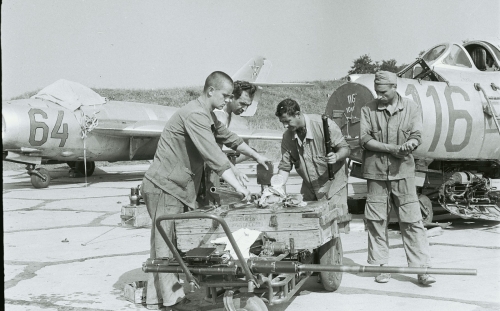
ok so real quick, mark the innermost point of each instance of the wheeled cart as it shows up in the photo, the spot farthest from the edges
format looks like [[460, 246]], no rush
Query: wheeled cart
[[295, 242]]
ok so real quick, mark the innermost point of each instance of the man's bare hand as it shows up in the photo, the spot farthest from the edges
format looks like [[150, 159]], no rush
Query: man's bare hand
[[408, 146], [262, 160], [395, 151], [241, 177], [331, 158], [247, 195]]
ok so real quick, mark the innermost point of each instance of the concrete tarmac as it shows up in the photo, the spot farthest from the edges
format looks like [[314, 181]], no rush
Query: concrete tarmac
[[65, 249]]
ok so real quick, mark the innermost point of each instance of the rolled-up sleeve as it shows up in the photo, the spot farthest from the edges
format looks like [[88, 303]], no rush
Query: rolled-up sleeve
[[336, 137], [225, 136], [198, 127], [365, 127], [416, 124], [286, 163]]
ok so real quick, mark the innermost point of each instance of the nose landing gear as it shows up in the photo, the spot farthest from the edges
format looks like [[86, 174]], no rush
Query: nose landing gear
[[40, 177]]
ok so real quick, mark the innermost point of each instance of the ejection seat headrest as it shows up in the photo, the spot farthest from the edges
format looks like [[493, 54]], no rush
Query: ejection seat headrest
[[479, 58]]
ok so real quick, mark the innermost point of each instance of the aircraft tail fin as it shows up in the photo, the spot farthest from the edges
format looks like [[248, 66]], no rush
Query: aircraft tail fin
[[256, 69]]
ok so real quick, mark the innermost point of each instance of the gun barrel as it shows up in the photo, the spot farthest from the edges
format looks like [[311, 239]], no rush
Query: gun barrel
[[294, 267], [386, 269]]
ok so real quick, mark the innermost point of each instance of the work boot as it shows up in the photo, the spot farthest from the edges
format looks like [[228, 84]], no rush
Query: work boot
[[184, 305], [426, 279], [383, 278]]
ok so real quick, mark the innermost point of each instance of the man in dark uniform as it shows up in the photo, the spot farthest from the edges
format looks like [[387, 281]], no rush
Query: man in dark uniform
[[390, 130], [188, 142]]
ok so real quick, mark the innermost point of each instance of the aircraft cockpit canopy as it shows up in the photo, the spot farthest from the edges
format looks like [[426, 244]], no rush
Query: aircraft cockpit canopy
[[434, 53], [446, 60], [457, 57], [484, 54]]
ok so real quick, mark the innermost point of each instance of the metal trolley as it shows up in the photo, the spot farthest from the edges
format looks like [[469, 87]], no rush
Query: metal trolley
[[272, 277]]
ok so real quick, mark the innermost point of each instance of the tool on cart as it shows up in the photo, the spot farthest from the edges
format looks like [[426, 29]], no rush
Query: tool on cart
[[273, 277], [328, 144]]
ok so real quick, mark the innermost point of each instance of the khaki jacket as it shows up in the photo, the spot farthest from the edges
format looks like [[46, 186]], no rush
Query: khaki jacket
[[377, 123], [188, 141], [308, 158]]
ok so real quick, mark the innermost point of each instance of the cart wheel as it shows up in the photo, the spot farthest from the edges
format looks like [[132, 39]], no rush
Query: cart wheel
[[331, 254], [38, 182]]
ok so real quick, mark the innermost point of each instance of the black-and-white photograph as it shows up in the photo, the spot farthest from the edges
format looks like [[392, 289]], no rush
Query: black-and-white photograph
[[234, 155]]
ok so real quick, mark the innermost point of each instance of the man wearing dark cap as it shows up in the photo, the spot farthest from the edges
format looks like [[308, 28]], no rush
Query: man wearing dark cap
[[390, 130], [188, 142]]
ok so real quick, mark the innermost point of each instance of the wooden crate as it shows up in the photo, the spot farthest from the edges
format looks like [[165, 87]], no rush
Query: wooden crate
[[135, 292], [310, 226]]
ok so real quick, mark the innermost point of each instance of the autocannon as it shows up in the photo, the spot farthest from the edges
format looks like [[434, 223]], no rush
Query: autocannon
[[273, 275]]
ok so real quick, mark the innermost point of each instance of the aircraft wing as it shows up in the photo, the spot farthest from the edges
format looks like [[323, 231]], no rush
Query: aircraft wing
[[262, 135], [146, 128], [154, 128], [283, 84]]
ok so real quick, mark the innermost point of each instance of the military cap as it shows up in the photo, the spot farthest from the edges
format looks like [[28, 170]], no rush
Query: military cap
[[385, 77]]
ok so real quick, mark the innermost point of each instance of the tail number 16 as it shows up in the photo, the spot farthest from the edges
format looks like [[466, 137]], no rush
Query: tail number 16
[[454, 115]]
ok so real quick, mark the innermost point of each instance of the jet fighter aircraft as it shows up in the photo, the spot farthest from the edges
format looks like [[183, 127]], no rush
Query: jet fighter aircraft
[[458, 89], [67, 122]]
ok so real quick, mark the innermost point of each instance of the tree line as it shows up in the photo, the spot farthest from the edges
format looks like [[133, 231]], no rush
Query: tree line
[[364, 64]]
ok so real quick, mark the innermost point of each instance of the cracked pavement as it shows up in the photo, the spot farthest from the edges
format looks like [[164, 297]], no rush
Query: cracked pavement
[[46, 267]]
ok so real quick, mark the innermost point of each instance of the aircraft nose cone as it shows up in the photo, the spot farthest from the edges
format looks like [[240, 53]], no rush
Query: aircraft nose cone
[[4, 128], [8, 132]]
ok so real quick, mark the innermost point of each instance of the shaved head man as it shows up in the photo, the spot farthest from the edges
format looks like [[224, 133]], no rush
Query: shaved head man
[[187, 144]]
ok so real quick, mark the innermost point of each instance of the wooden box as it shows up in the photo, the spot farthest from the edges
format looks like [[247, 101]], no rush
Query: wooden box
[[135, 292], [310, 226], [135, 216]]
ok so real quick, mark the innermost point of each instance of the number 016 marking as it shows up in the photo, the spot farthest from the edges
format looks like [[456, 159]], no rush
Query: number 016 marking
[[454, 115], [35, 125]]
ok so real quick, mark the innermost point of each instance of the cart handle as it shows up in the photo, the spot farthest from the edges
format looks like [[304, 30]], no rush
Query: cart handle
[[248, 275]]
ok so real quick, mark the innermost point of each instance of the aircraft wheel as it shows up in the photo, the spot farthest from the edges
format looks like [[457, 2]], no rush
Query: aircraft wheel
[[331, 253], [425, 209], [38, 182], [80, 168], [71, 164]]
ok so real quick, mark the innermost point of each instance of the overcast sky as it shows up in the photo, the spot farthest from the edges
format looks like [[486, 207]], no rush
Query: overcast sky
[[161, 44]]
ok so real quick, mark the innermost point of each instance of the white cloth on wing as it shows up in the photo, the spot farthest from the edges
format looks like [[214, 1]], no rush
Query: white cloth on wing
[[70, 95]]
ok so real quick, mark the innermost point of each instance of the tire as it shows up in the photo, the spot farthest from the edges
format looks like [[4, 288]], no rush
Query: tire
[[80, 168], [71, 164], [331, 253], [37, 182], [425, 208]]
